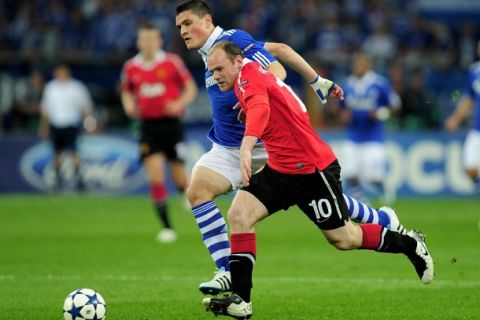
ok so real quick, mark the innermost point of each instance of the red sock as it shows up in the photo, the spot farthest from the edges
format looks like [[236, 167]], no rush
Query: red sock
[[243, 242], [372, 236], [158, 192]]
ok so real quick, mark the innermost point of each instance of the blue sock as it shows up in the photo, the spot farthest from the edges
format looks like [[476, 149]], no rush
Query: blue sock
[[214, 233], [360, 212]]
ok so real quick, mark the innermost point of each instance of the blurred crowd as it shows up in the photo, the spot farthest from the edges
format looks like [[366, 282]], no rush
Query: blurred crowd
[[424, 56]]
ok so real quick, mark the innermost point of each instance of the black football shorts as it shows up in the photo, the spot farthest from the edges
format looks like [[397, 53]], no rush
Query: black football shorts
[[64, 138], [162, 136], [319, 195]]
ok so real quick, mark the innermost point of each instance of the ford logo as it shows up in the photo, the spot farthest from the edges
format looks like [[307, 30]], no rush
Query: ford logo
[[109, 165]]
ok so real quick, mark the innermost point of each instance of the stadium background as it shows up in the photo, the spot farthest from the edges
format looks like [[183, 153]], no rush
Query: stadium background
[[433, 39]]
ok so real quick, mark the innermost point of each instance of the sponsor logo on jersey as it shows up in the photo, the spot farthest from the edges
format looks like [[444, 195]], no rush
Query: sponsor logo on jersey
[[109, 165], [210, 82], [151, 90], [161, 73]]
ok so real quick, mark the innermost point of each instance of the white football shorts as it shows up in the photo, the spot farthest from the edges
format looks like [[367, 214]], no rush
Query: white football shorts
[[471, 150], [366, 161], [226, 161]]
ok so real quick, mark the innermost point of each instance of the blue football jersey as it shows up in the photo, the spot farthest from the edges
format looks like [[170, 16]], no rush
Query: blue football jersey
[[226, 129], [362, 96], [473, 91]]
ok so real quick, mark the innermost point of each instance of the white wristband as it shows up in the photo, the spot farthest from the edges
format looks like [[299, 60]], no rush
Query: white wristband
[[322, 88]]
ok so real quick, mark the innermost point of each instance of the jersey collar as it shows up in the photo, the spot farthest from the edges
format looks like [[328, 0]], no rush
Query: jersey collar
[[139, 60], [210, 41]]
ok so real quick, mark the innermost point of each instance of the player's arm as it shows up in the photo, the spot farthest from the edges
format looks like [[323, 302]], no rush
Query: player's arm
[[257, 115], [255, 50], [44, 125], [390, 103], [89, 121], [278, 70], [129, 104], [322, 87], [176, 107], [129, 101], [462, 111]]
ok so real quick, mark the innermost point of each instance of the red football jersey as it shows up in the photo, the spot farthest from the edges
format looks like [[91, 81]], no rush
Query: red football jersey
[[154, 83], [292, 144]]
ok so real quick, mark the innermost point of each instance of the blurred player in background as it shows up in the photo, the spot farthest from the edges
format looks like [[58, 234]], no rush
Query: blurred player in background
[[301, 170], [217, 172], [156, 88], [66, 105], [470, 101], [369, 100]]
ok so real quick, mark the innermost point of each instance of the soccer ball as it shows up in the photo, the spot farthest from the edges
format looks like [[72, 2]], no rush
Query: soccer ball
[[84, 304]]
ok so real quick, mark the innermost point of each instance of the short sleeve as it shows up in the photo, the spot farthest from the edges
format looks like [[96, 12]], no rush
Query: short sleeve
[[183, 72], [252, 49]]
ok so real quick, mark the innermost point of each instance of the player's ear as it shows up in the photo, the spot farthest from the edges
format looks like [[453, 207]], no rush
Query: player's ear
[[208, 19], [239, 60]]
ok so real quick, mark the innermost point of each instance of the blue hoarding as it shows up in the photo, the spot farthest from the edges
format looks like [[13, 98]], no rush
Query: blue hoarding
[[419, 164]]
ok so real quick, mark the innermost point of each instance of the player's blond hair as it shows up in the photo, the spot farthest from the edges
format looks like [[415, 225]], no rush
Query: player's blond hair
[[229, 47]]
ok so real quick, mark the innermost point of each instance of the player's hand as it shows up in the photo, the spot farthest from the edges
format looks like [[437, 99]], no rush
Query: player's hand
[[241, 117], [246, 166], [131, 112], [381, 114], [324, 88], [174, 108], [337, 92], [451, 124]]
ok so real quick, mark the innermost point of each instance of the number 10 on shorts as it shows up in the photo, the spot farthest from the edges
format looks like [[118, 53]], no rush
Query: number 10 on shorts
[[322, 208]]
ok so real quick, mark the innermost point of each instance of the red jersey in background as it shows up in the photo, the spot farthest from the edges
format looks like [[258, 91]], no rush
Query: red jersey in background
[[154, 83], [277, 116]]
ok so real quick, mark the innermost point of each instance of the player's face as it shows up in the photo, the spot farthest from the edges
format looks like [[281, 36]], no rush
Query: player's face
[[361, 64], [148, 41], [193, 29], [225, 71], [62, 73]]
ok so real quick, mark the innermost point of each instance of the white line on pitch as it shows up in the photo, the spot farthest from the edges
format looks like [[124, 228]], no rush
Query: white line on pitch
[[310, 280]]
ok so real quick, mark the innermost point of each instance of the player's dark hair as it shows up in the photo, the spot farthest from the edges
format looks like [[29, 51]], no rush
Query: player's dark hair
[[198, 7], [230, 48], [147, 25]]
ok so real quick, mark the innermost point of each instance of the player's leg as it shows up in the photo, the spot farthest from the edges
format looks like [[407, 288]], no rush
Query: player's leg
[[268, 192], [375, 237], [154, 165], [374, 171], [205, 185], [58, 147], [246, 210], [215, 173], [350, 160], [471, 157], [324, 204], [176, 152], [72, 137], [362, 213], [57, 164]]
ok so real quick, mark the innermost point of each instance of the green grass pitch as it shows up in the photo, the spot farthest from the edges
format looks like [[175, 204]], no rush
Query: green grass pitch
[[50, 246]]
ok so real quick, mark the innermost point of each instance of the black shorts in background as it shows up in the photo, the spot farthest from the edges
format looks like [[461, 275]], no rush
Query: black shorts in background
[[64, 138], [319, 195], [162, 136]]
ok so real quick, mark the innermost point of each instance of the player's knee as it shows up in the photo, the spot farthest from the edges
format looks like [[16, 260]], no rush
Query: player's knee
[[197, 195], [238, 220], [345, 242]]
